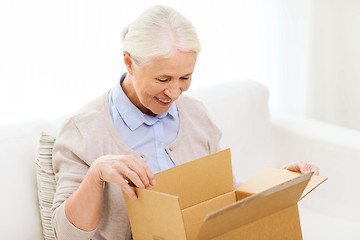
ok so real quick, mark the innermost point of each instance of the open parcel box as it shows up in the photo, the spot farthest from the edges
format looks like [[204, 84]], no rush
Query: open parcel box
[[197, 200]]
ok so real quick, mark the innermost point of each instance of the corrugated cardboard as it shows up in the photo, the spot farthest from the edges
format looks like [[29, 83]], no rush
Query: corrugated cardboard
[[196, 200]]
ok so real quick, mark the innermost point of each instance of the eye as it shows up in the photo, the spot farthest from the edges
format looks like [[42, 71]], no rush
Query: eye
[[162, 80], [184, 78]]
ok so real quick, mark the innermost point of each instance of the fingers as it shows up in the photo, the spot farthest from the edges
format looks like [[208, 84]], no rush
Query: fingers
[[135, 179], [315, 169], [142, 170], [130, 170], [123, 184], [124, 169], [303, 167]]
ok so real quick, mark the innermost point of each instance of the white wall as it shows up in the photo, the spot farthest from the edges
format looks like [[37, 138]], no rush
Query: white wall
[[334, 93], [57, 55]]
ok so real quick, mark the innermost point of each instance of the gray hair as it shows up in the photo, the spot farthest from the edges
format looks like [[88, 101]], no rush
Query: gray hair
[[157, 33]]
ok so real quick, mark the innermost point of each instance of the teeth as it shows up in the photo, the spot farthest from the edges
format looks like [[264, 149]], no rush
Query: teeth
[[163, 100]]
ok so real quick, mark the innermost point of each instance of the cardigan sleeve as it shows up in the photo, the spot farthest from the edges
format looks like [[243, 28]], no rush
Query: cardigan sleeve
[[70, 170]]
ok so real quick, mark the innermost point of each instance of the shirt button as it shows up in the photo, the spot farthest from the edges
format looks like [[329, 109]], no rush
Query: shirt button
[[159, 144]]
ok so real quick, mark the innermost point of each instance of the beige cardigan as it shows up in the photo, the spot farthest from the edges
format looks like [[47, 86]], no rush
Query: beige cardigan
[[91, 134]]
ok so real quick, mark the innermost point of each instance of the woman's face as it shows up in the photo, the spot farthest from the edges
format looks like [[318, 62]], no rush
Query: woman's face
[[154, 87]]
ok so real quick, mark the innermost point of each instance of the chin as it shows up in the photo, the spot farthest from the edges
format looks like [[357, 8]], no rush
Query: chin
[[154, 112], [151, 112]]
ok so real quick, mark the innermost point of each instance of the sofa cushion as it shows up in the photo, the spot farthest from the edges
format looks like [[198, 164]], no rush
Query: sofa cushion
[[19, 203], [46, 181]]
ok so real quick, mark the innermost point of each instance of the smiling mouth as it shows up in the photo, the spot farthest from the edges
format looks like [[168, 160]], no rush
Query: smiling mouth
[[163, 100]]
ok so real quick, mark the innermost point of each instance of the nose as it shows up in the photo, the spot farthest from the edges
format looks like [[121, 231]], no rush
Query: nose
[[173, 91]]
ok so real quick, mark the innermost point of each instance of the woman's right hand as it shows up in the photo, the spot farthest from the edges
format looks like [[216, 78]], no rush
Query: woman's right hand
[[121, 169]]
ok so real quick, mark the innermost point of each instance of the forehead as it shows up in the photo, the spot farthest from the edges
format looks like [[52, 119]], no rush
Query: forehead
[[180, 63]]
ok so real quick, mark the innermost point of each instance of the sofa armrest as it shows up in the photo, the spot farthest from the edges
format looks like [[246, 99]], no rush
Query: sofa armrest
[[335, 150]]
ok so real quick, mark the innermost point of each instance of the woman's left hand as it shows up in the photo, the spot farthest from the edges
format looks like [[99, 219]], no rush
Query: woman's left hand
[[302, 167]]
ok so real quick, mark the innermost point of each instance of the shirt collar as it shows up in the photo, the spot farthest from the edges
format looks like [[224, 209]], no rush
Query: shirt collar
[[131, 115]]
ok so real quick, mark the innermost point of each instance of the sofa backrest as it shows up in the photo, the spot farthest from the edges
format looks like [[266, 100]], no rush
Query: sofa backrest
[[239, 108]]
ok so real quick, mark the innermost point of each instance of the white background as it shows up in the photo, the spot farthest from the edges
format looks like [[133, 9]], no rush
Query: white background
[[55, 56]]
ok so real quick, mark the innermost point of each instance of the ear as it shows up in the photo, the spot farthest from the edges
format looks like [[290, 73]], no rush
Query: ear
[[128, 62]]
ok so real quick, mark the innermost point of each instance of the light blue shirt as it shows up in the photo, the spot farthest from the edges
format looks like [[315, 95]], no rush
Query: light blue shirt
[[143, 133]]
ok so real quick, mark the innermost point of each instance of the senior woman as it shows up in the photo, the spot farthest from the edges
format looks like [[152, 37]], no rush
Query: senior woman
[[140, 127]]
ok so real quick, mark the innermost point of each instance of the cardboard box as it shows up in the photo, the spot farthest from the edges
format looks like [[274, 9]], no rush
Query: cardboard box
[[197, 200]]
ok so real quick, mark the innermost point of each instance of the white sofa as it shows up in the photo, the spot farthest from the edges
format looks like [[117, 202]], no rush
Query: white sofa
[[240, 109]]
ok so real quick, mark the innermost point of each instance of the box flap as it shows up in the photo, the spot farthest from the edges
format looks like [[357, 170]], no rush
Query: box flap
[[155, 215], [269, 177], [254, 208], [313, 183], [194, 215], [282, 225], [198, 180]]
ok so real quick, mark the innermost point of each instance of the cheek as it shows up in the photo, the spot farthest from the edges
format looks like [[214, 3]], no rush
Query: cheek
[[149, 92], [185, 86], [155, 89], [142, 93]]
